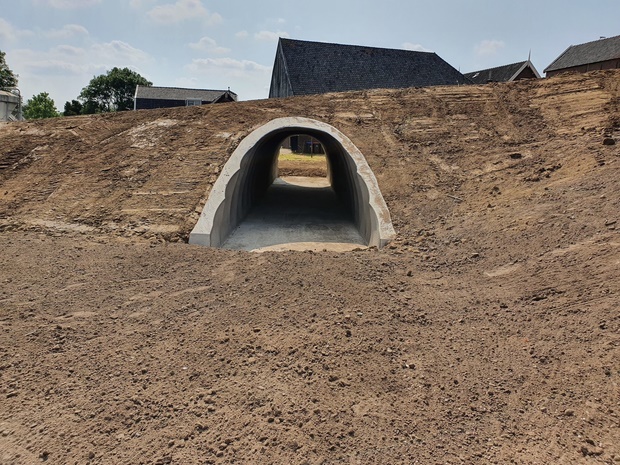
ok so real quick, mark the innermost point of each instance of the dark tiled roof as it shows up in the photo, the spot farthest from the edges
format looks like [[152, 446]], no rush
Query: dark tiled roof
[[317, 67], [590, 52], [178, 93], [498, 74]]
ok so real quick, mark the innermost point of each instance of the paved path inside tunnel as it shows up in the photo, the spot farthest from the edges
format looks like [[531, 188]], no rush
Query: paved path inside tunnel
[[297, 213]]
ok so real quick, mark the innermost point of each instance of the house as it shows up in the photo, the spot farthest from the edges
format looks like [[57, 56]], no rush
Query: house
[[9, 103], [599, 54], [507, 73], [303, 143], [149, 97], [303, 68]]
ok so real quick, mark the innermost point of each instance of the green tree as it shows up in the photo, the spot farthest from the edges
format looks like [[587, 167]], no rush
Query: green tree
[[113, 91], [40, 106], [72, 108], [7, 77]]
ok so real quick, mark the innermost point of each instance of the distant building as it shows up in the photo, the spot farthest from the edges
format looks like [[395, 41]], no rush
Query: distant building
[[507, 73], [149, 97], [303, 143], [303, 68], [9, 103], [591, 56]]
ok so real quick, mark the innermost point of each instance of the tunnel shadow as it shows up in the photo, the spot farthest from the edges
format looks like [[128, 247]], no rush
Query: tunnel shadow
[[297, 212], [249, 196]]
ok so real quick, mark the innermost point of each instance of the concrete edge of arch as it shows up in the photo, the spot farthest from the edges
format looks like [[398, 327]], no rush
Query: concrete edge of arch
[[216, 222]]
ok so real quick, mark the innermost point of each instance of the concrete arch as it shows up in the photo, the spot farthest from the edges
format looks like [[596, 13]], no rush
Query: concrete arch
[[253, 167]]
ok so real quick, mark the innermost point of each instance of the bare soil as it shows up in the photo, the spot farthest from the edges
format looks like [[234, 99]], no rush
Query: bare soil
[[487, 332]]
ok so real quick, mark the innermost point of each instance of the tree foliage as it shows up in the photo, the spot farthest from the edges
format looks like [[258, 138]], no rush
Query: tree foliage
[[7, 77], [72, 108], [40, 106], [113, 91]]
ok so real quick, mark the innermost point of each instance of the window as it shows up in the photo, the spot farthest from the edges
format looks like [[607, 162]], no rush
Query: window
[[193, 102]]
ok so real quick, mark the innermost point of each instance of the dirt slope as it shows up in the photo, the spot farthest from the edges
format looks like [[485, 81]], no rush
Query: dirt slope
[[487, 332]]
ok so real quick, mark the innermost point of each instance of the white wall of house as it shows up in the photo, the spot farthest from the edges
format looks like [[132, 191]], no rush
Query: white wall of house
[[8, 103]]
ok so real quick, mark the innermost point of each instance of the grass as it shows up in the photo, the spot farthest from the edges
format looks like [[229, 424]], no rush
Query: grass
[[302, 157]]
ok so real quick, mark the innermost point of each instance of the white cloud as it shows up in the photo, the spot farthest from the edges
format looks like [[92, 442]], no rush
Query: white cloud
[[63, 60], [242, 34], [246, 78], [215, 18], [68, 59], [183, 10], [120, 52], [68, 4], [414, 47], [189, 83], [227, 67], [7, 31], [489, 47], [207, 44], [64, 70], [270, 36], [10, 33], [138, 4], [52, 66], [69, 51], [67, 31]]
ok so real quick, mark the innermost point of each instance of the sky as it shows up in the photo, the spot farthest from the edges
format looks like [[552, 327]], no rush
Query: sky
[[58, 46]]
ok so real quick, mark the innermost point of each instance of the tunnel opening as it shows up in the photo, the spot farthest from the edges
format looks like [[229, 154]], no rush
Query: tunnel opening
[[302, 155], [250, 195]]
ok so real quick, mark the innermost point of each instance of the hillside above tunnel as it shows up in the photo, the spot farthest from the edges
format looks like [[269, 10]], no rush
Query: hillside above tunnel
[[149, 173]]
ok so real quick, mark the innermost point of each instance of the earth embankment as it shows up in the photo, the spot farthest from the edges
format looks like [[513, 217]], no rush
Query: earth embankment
[[488, 331]]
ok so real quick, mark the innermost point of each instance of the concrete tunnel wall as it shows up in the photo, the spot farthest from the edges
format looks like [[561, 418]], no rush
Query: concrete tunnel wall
[[253, 167]]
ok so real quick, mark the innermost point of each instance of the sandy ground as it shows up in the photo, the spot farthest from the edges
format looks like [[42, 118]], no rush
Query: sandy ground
[[487, 332]]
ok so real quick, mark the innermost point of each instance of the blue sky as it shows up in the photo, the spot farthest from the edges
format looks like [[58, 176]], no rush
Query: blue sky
[[57, 46]]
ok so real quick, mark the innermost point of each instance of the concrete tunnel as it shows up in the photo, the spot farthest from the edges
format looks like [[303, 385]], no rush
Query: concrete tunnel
[[253, 167]]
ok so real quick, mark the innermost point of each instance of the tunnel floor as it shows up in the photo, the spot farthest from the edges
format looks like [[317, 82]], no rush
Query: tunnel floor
[[297, 213]]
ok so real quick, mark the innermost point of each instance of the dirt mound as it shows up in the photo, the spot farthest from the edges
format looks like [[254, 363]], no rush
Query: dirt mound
[[487, 332]]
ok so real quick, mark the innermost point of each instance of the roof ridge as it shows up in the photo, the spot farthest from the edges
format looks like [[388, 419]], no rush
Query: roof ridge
[[189, 88], [595, 40], [351, 45], [497, 67]]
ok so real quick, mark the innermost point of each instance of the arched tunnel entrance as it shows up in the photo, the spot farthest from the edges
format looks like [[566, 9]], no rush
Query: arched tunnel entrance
[[253, 168]]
